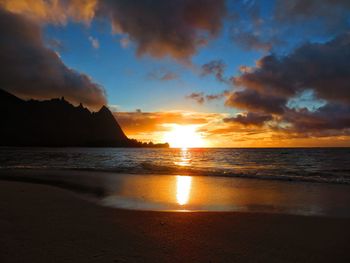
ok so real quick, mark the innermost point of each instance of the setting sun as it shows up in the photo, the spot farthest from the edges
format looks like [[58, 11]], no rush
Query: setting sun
[[184, 137]]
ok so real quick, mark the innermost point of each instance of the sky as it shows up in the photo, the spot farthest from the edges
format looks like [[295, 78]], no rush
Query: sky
[[243, 73]]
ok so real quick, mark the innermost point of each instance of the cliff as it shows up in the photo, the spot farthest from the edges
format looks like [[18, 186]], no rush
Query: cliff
[[58, 123]]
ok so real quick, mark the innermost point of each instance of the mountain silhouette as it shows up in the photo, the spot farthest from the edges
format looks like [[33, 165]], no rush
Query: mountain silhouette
[[57, 123]]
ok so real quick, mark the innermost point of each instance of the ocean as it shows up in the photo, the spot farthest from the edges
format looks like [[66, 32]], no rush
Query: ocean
[[326, 165], [295, 181]]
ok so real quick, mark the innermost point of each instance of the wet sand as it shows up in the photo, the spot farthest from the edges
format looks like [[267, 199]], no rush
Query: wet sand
[[40, 223]]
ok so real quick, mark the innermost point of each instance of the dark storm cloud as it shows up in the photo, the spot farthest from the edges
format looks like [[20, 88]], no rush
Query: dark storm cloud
[[31, 70], [250, 119], [160, 28], [319, 67], [331, 120], [216, 68], [327, 117], [324, 68], [255, 101]]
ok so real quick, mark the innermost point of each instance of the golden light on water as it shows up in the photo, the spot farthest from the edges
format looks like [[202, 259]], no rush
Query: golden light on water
[[184, 159], [210, 193], [183, 189], [184, 136]]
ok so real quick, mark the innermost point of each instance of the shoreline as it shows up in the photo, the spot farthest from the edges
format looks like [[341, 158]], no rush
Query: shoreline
[[49, 224], [161, 192], [282, 178]]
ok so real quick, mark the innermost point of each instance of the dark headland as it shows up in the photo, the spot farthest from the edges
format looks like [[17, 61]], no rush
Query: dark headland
[[57, 123]]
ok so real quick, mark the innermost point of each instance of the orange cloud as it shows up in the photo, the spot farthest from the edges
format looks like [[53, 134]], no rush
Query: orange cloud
[[220, 130], [138, 121], [152, 125], [53, 11]]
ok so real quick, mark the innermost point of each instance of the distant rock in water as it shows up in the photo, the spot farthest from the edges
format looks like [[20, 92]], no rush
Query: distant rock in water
[[58, 123]]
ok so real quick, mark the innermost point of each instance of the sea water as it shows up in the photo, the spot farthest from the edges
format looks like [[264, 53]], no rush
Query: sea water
[[328, 165], [289, 181]]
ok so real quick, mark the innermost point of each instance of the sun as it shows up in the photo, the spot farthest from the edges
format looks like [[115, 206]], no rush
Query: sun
[[184, 136]]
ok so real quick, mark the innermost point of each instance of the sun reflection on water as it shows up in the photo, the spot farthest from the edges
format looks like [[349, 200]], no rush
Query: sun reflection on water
[[183, 189], [185, 158]]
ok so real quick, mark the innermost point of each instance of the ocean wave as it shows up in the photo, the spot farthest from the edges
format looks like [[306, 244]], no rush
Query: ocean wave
[[308, 165], [152, 169]]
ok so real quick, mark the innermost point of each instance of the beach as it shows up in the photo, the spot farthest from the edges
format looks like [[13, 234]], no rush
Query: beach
[[174, 131], [41, 223]]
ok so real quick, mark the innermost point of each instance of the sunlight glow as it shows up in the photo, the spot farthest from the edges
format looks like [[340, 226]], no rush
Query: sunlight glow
[[183, 189], [184, 136], [185, 158]]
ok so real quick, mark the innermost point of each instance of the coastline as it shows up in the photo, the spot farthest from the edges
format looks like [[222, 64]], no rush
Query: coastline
[[41, 223], [203, 193]]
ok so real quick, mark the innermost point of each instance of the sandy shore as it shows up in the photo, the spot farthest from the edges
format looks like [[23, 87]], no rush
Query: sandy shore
[[40, 223]]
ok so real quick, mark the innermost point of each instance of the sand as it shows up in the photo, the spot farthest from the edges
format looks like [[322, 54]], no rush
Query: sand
[[40, 223]]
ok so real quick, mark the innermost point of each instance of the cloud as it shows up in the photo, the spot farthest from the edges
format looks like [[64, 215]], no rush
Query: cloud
[[218, 129], [197, 97], [154, 125], [216, 68], [250, 119], [94, 42], [53, 11], [255, 101], [159, 28], [328, 117], [201, 98], [166, 28], [322, 68], [31, 70], [218, 96], [274, 85], [177, 29], [162, 75], [140, 122]]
